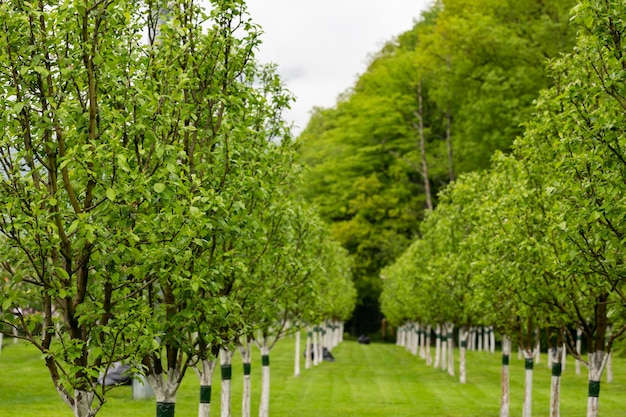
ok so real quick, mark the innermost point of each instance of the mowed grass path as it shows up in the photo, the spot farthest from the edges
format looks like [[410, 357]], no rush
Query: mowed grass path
[[377, 380]]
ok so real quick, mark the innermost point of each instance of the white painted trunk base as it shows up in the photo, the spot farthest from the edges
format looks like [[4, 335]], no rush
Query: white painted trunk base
[[597, 363], [422, 341], [429, 358], [246, 356], [82, 403], [264, 406], [437, 346], [528, 384], [226, 357], [307, 349], [165, 387], [450, 340], [444, 351], [555, 385], [205, 370], [463, 335], [506, 357], [486, 339]]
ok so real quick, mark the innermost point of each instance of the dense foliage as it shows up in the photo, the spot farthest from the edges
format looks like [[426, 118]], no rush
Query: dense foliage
[[146, 206], [435, 102], [540, 235]]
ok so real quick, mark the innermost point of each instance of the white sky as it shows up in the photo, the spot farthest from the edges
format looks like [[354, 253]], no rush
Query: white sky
[[321, 46]]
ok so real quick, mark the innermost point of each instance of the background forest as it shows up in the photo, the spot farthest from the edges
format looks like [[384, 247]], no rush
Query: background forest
[[435, 102]]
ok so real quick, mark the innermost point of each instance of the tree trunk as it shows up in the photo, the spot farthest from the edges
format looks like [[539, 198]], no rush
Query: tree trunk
[[404, 339], [437, 346], [555, 386], [296, 362], [246, 356], [226, 357], [422, 342], [82, 403], [320, 345], [307, 349], [528, 383], [444, 349], [429, 359], [486, 338], [579, 333], [165, 388], [597, 361], [537, 350], [315, 350], [264, 407], [551, 350], [450, 340], [463, 334], [341, 331], [597, 355], [204, 370], [408, 336], [609, 362], [492, 340], [506, 357]]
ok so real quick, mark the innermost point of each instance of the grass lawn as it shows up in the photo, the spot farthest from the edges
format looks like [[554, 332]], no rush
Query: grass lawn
[[377, 380]]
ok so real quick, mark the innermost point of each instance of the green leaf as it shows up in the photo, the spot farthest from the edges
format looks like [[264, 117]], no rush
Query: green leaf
[[17, 107], [111, 194], [42, 71], [159, 187]]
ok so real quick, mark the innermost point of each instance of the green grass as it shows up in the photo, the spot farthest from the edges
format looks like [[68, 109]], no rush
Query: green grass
[[377, 380]]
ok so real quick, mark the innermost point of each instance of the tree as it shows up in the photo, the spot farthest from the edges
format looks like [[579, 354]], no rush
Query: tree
[[78, 177], [575, 133]]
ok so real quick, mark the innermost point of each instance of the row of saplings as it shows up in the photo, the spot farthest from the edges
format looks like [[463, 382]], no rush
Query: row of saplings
[[419, 339], [320, 340]]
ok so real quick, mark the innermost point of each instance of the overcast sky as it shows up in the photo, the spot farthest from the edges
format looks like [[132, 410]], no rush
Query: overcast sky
[[321, 46]]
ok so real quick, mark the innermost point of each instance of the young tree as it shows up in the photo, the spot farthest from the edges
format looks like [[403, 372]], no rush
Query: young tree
[[79, 174], [575, 144]]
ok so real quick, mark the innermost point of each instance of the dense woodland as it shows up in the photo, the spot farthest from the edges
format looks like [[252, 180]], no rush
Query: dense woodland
[[434, 103]]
